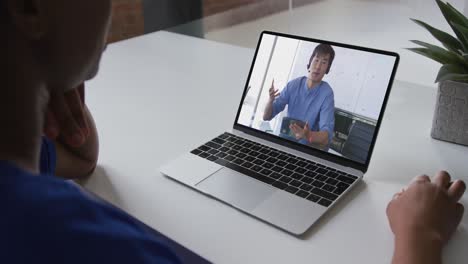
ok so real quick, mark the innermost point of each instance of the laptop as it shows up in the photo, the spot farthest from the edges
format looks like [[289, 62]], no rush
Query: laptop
[[284, 162]]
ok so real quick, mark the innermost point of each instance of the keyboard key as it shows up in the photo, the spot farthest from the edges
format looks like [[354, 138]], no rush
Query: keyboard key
[[274, 154], [277, 169], [245, 150], [249, 158], [264, 151], [204, 155], [221, 162], [310, 174], [232, 152], [286, 172], [275, 175], [262, 157], [324, 194], [267, 165], [295, 183], [258, 162], [237, 147], [224, 136], [318, 184], [307, 180], [291, 167], [321, 178], [321, 171], [256, 168], [306, 187], [328, 188], [212, 158], [241, 155], [247, 145], [266, 172], [300, 170], [256, 148], [291, 189], [213, 151], [228, 145], [272, 160], [230, 158], [247, 165], [221, 155], [219, 141], [302, 164], [302, 194], [281, 163], [332, 174], [339, 190], [324, 202], [204, 148], [346, 179], [213, 145], [280, 185], [331, 181], [312, 197], [196, 151], [254, 153], [292, 160], [224, 149], [282, 157], [342, 185], [238, 161], [296, 176], [311, 167], [238, 141], [285, 179]]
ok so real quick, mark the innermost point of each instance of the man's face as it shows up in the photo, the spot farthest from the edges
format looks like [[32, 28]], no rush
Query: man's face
[[319, 66], [74, 40]]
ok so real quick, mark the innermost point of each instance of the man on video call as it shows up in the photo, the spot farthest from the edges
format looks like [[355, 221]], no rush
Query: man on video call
[[310, 100]]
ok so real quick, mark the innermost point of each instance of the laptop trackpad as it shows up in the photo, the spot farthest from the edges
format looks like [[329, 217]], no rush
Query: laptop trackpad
[[237, 189]]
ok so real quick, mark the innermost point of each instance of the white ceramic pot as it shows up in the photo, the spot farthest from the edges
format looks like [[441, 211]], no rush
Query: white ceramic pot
[[450, 121]]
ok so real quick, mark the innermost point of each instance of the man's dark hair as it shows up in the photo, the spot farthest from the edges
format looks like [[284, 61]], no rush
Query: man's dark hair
[[322, 49]]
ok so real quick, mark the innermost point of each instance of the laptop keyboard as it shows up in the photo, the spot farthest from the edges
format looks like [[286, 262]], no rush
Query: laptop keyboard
[[304, 178]]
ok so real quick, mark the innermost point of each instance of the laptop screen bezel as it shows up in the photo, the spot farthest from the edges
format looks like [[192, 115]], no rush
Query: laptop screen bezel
[[298, 146]]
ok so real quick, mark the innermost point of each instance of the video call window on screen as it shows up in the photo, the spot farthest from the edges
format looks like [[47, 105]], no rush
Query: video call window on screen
[[323, 96]]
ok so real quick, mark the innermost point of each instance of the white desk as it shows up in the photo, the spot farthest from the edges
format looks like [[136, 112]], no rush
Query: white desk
[[162, 94]]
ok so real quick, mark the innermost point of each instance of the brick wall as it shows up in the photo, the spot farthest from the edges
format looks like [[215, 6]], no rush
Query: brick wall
[[211, 7], [127, 19]]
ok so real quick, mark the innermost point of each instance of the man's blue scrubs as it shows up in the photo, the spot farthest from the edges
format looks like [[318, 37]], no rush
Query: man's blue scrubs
[[315, 106]]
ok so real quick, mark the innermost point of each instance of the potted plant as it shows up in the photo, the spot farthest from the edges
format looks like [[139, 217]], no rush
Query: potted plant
[[450, 121]]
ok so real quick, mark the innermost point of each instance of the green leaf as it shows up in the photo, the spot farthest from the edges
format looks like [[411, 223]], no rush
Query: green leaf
[[463, 31], [429, 46], [463, 19], [454, 17], [446, 39], [452, 72], [455, 58], [427, 53]]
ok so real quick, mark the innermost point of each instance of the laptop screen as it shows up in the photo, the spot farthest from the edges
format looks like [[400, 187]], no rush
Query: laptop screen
[[322, 95]]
